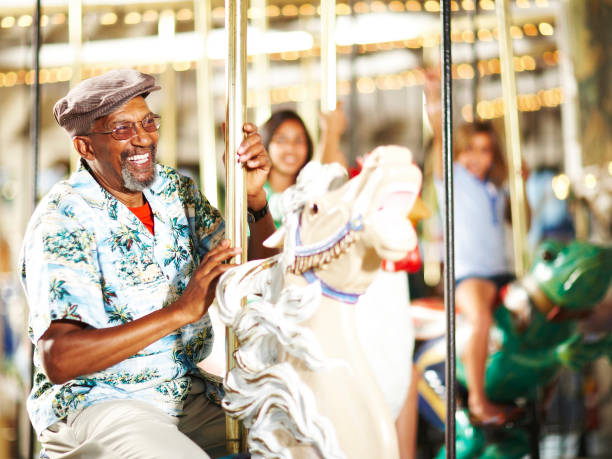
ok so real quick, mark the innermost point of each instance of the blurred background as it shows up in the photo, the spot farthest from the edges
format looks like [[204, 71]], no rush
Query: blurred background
[[562, 61]]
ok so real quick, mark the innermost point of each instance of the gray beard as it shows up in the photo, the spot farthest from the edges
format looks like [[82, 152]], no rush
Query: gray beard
[[132, 183]]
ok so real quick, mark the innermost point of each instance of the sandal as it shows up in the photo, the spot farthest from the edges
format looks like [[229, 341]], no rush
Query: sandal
[[509, 414]]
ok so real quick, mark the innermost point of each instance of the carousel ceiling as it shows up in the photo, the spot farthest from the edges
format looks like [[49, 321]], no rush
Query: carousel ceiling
[[381, 47]]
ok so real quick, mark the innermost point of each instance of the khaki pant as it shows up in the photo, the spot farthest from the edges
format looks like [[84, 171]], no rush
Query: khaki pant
[[135, 429]]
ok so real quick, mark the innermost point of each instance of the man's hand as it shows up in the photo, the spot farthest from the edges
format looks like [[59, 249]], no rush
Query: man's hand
[[200, 292], [254, 157]]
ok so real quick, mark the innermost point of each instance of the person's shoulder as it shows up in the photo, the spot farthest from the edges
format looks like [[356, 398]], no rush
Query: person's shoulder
[[167, 175], [63, 195]]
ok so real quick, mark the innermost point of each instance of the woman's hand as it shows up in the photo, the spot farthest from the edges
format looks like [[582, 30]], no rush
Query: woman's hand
[[333, 122]]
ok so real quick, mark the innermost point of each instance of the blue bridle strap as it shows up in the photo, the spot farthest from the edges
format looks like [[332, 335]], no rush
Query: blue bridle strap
[[355, 224], [329, 291]]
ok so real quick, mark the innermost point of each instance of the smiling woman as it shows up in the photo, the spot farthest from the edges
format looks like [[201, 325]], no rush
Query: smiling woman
[[290, 147]]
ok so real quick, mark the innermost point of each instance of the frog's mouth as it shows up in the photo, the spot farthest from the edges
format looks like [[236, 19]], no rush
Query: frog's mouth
[[549, 309]]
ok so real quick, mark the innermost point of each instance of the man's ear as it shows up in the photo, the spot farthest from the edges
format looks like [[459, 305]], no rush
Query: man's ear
[[82, 144]]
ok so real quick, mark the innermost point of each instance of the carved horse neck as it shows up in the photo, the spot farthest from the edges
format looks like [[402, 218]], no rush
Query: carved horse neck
[[338, 260]]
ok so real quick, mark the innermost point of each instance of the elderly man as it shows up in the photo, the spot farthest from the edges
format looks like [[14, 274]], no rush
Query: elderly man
[[119, 264]]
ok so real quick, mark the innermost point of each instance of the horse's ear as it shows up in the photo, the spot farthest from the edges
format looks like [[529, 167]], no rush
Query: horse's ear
[[276, 239]]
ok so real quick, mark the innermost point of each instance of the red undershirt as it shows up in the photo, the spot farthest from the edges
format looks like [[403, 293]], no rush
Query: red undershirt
[[145, 215]]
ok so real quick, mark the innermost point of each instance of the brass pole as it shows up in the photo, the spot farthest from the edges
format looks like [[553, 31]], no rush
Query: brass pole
[[263, 108], [307, 107], [570, 116], [206, 114], [235, 201], [167, 153], [75, 38], [328, 58], [35, 140], [513, 139], [431, 251]]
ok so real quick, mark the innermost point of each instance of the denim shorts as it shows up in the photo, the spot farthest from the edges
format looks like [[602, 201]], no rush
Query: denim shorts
[[498, 279]]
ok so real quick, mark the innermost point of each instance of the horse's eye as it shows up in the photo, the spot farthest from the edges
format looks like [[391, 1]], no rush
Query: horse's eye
[[548, 255], [314, 208]]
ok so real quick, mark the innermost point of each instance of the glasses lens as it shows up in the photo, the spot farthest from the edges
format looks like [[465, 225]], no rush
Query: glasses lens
[[151, 124], [123, 132]]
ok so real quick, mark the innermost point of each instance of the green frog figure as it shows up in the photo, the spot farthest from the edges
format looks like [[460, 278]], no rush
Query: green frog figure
[[535, 334]]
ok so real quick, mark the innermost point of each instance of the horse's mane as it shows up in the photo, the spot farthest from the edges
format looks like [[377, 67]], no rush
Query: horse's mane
[[264, 390]]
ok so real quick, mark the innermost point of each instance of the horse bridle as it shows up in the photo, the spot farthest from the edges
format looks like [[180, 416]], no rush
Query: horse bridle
[[310, 257]]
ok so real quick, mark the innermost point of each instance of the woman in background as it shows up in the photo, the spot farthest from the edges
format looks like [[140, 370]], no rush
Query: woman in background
[[290, 147]]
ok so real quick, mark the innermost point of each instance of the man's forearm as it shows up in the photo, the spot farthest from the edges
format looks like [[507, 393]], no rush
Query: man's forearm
[[69, 350], [260, 231]]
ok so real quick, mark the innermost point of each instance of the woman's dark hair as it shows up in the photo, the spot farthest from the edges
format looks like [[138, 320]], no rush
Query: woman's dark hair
[[278, 118]]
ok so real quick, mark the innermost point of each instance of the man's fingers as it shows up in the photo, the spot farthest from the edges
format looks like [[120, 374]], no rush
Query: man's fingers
[[249, 142], [216, 258], [214, 274], [255, 153], [249, 128]]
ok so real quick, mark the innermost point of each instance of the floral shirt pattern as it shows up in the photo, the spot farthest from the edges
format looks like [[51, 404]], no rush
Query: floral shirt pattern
[[86, 257]]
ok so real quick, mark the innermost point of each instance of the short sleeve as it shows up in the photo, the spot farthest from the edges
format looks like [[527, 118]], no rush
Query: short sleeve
[[60, 275]]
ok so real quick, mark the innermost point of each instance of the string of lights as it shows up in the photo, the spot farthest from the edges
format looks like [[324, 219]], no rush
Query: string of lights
[[290, 11], [525, 63]]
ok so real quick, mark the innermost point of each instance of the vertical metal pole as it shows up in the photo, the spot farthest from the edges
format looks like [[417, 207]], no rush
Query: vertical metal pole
[[34, 136], [308, 108], [168, 139], [206, 114], [570, 116], [449, 231], [235, 202], [263, 109], [474, 47], [513, 139], [328, 57], [353, 112], [75, 37]]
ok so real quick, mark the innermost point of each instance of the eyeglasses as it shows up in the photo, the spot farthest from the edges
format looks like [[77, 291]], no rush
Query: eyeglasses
[[127, 129]]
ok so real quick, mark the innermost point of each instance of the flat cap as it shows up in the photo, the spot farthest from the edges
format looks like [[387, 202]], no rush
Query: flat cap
[[98, 96]]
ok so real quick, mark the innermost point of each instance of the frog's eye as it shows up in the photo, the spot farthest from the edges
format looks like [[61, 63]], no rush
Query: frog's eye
[[548, 255]]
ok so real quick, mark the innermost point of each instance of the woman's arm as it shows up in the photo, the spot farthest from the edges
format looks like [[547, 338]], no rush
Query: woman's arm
[[333, 124]]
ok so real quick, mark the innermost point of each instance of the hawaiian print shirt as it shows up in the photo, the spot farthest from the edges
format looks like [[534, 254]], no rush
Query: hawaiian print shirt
[[86, 257]]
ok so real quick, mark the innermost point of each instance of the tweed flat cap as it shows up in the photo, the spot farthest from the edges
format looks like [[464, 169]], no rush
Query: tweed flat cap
[[98, 96]]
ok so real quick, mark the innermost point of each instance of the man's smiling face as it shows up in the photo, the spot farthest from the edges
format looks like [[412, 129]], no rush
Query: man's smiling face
[[124, 166]]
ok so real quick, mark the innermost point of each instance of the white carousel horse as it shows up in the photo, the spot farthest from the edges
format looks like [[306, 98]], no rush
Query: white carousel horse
[[302, 385]]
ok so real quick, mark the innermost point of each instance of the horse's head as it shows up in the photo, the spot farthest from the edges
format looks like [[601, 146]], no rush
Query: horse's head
[[572, 276], [343, 234]]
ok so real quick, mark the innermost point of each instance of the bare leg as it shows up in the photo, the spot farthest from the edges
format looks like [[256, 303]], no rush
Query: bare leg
[[475, 298], [406, 422]]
